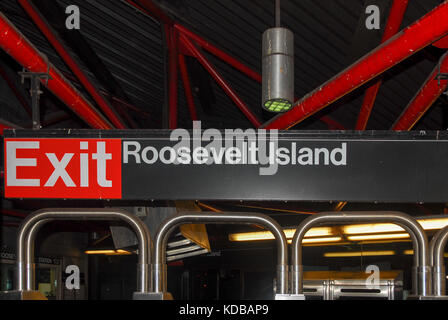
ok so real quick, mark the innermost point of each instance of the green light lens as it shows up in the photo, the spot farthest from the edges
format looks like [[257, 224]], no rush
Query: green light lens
[[278, 105]]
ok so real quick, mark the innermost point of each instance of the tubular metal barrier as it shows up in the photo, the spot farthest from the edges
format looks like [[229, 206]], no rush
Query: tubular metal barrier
[[171, 223], [437, 249], [421, 272], [32, 224]]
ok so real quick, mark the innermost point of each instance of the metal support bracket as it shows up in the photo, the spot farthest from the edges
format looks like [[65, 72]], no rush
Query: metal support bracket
[[35, 92], [289, 297]]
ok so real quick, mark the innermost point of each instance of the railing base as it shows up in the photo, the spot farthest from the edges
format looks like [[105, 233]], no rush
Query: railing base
[[289, 297], [152, 296], [428, 298], [22, 295]]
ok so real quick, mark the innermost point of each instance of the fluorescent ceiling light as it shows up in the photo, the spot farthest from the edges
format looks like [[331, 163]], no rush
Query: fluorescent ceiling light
[[319, 240], [367, 237], [411, 253], [355, 232], [433, 224], [427, 224], [289, 233], [371, 228], [358, 254]]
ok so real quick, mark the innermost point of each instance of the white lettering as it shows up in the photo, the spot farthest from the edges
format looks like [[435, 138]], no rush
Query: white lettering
[[59, 170], [101, 157], [12, 163]]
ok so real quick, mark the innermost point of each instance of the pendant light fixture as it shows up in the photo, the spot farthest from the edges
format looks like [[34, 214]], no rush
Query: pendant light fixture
[[278, 67]]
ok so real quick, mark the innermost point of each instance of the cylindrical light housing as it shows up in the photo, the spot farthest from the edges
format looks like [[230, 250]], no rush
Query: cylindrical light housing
[[278, 70]]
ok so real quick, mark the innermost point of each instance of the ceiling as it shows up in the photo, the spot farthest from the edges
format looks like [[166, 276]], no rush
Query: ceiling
[[329, 36]]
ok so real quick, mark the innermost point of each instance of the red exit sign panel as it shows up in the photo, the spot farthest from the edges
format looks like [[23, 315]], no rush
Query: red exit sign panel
[[63, 168]]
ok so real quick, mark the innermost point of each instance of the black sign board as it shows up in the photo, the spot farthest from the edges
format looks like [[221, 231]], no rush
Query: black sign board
[[235, 165]]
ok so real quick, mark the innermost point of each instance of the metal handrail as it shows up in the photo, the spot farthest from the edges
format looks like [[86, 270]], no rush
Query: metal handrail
[[436, 252], [421, 278], [171, 223], [32, 224]]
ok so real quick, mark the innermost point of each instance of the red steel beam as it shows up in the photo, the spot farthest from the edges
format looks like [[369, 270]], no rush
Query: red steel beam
[[60, 48], [187, 87], [422, 33], [219, 79], [17, 46], [13, 213], [424, 99], [394, 22], [219, 53], [442, 43]]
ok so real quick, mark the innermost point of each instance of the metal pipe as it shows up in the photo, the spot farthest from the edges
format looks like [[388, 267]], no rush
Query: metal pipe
[[173, 77], [437, 250], [218, 78], [393, 24], [424, 99], [31, 225], [421, 264], [417, 36], [168, 226], [17, 46], [187, 87], [57, 44], [29, 264]]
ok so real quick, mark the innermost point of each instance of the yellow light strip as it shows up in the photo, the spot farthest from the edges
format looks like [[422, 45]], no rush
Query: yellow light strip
[[319, 240], [411, 253], [427, 224], [108, 252], [379, 237], [358, 254]]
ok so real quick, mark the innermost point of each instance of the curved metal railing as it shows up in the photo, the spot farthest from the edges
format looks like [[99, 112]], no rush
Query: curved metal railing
[[437, 250], [171, 223], [32, 224], [421, 271]]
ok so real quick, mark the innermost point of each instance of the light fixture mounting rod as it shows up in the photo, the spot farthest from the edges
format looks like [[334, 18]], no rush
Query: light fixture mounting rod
[[277, 14]]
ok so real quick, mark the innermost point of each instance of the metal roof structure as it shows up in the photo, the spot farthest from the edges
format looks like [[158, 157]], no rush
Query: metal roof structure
[[329, 36]]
